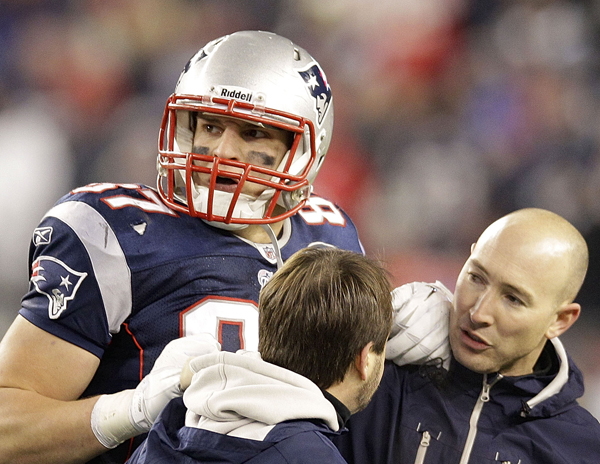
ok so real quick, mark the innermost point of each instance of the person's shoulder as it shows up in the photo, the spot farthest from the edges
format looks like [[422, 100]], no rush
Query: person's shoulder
[[392, 373], [306, 441], [99, 189], [322, 221], [580, 433], [110, 201], [319, 211], [580, 416], [92, 194], [571, 429], [118, 196]]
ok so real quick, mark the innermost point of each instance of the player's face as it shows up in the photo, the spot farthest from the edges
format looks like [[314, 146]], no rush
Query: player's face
[[504, 306], [239, 140]]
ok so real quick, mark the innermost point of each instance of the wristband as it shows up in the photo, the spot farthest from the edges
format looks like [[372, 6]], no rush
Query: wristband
[[110, 419]]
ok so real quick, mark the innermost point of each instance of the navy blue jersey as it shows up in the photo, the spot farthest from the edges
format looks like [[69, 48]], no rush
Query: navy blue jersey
[[117, 273]]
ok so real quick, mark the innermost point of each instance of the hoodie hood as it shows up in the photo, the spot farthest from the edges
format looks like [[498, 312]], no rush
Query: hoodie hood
[[239, 394]]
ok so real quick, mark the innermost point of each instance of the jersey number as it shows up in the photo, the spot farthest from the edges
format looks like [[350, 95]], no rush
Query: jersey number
[[151, 204], [317, 211], [234, 323]]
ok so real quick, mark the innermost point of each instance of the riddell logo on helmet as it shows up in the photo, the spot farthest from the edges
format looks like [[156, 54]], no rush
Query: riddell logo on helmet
[[237, 94]]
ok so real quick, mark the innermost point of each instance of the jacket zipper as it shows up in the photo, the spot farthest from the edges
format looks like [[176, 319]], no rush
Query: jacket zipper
[[483, 398], [423, 445]]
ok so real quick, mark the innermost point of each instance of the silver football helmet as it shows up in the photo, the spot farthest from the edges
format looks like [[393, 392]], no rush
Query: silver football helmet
[[258, 77]]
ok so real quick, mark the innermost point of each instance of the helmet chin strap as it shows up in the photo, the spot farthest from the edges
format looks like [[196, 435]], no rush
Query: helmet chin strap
[[246, 206], [224, 226], [267, 228]]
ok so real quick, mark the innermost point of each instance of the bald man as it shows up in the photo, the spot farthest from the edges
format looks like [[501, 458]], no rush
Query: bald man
[[510, 393]]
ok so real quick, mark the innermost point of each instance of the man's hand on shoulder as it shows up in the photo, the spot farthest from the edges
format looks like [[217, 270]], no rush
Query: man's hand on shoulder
[[420, 328], [125, 414]]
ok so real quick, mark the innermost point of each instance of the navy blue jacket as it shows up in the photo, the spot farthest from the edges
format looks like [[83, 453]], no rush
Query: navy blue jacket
[[416, 419], [291, 442]]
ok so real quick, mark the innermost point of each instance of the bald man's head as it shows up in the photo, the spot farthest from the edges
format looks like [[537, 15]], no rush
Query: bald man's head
[[549, 238], [516, 291]]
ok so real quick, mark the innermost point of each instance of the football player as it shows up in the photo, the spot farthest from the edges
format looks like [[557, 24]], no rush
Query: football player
[[119, 271]]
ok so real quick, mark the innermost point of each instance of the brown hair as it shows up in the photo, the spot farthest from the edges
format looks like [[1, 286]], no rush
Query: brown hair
[[321, 309]]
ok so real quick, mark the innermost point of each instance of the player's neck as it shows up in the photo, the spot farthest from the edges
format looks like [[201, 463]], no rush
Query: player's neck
[[257, 234]]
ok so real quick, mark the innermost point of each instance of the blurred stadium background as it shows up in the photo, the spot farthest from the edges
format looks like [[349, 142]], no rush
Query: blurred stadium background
[[449, 114]]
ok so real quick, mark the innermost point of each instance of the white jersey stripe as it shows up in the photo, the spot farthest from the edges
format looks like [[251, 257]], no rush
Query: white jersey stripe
[[108, 260]]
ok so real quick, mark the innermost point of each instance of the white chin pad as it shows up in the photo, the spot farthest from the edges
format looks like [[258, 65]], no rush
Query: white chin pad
[[246, 207]]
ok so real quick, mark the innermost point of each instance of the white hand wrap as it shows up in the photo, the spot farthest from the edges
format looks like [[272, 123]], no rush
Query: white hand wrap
[[125, 414], [420, 328]]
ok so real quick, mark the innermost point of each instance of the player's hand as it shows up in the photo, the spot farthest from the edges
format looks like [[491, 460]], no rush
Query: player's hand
[[162, 384], [420, 327], [122, 415]]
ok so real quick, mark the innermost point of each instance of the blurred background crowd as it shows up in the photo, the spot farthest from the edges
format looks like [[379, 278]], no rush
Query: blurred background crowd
[[449, 114]]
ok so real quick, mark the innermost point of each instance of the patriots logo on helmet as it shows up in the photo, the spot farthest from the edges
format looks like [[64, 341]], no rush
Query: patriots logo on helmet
[[317, 85], [56, 280], [193, 60], [201, 54]]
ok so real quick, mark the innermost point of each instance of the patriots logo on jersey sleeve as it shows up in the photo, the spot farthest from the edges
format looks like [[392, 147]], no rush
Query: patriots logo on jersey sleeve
[[56, 280], [317, 85]]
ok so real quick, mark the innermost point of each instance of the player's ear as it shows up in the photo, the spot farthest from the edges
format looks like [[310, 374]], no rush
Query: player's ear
[[565, 318], [362, 361]]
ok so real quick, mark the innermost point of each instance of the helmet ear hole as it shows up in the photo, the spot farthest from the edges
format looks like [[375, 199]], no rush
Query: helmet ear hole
[[291, 199]]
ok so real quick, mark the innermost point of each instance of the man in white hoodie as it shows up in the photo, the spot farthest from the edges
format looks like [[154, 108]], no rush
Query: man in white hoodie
[[324, 320]]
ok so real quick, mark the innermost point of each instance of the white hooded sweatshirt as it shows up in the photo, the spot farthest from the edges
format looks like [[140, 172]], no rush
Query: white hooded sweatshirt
[[241, 395]]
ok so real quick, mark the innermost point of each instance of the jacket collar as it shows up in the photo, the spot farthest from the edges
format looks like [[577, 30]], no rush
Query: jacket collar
[[531, 395], [556, 384]]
